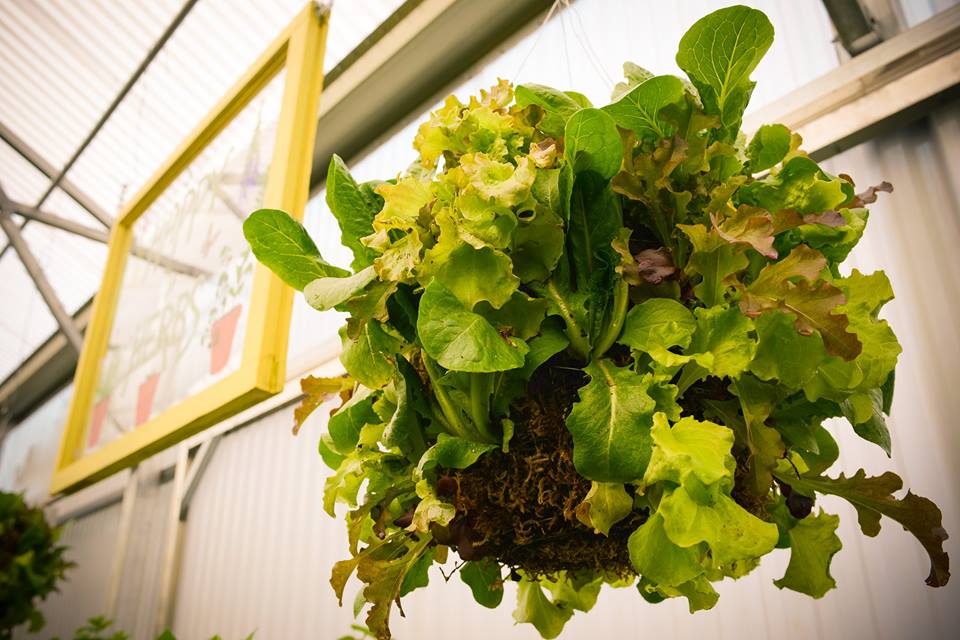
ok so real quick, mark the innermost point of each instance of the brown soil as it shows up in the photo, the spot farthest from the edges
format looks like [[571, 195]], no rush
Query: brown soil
[[518, 507]]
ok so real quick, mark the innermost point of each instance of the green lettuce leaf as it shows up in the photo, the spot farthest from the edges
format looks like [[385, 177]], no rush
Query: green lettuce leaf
[[639, 109], [592, 143], [770, 145], [606, 504], [326, 293], [718, 54], [354, 207], [484, 579], [284, 246], [461, 340], [611, 424], [813, 543]]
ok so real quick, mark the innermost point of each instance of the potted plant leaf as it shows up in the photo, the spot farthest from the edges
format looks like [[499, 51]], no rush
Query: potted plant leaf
[[594, 346]]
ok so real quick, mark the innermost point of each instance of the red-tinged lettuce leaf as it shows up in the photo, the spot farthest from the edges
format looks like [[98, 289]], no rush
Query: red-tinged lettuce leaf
[[384, 570], [316, 391], [748, 225], [811, 302], [873, 497], [870, 195]]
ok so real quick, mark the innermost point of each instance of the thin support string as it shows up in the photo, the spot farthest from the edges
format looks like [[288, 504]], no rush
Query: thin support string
[[536, 41], [584, 38], [566, 45]]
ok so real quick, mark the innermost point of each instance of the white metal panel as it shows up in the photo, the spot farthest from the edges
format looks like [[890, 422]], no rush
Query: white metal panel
[[137, 601]]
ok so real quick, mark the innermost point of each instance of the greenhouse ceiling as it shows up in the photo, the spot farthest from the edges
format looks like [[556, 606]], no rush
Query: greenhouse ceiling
[[93, 97]]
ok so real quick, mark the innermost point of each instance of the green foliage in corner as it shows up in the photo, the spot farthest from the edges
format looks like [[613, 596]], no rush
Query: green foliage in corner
[[31, 563]]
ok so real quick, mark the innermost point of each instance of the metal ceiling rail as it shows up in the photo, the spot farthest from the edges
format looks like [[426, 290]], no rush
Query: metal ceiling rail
[[103, 236], [35, 271], [40, 164], [58, 178]]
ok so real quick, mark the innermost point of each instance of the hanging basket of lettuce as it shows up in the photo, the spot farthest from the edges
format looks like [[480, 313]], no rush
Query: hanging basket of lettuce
[[594, 346]]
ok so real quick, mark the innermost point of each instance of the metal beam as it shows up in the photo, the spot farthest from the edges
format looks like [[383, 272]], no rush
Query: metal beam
[[40, 280], [854, 26], [892, 83], [98, 235], [40, 164], [57, 178], [158, 45]]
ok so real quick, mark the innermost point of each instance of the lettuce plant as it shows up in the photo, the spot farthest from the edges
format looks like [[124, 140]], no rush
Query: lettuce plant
[[598, 345]]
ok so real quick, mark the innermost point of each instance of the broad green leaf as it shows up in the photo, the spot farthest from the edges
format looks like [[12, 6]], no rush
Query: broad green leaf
[[485, 582], [592, 143], [402, 203], [549, 98], [354, 208], [284, 246], [574, 590], [537, 245], [606, 504], [783, 353], [461, 340], [550, 342], [344, 426], [800, 186], [520, 316], [722, 345], [453, 453], [763, 443], [657, 325], [770, 144], [732, 533], [813, 543], [534, 607], [400, 259], [718, 54], [715, 260], [864, 411], [474, 275], [611, 424], [691, 449], [326, 293], [658, 559], [370, 358], [873, 497], [639, 110], [418, 576]]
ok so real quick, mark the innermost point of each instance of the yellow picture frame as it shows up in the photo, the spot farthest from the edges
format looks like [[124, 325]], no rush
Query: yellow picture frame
[[298, 51]]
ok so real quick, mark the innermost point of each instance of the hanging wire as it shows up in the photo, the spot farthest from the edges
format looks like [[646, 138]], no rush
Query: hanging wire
[[583, 37], [536, 41]]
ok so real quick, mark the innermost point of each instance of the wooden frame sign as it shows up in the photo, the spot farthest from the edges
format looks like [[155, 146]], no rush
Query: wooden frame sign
[[189, 329]]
